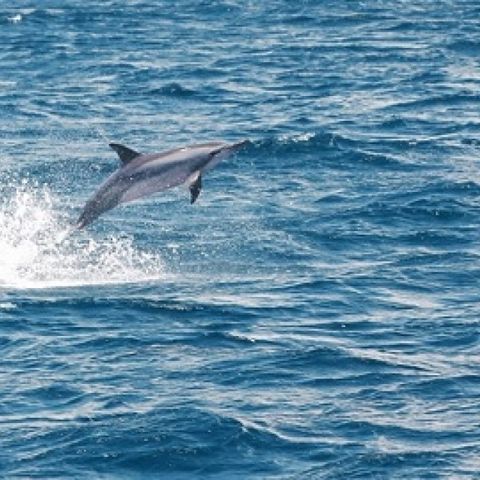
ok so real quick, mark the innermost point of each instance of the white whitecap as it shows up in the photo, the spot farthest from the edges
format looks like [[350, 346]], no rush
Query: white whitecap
[[303, 137], [7, 306], [15, 18]]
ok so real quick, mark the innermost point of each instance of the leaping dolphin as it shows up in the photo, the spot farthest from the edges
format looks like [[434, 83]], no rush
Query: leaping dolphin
[[143, 174]]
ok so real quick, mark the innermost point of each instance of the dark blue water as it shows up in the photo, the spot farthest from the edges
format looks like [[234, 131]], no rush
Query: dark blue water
[[315, 315]]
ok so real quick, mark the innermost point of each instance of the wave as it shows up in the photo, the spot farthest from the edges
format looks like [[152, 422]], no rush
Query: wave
[[444, 100], [173, 89], [36, 250], [465, 47], [18, 15], [334, 150], [287, 143]]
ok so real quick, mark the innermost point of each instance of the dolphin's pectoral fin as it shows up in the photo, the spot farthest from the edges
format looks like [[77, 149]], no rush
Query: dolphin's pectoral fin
[[195, 187], [126, 154]]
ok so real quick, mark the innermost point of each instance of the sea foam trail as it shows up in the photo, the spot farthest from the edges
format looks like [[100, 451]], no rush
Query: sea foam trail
[[39, 250]]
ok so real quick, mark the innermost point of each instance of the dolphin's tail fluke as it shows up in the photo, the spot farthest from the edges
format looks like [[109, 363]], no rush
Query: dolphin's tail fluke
[[79, 225], [82, 222], [90, 213], [64, 234]]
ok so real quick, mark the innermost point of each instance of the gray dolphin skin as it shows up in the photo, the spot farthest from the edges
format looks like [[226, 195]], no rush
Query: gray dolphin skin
[[144, 174]]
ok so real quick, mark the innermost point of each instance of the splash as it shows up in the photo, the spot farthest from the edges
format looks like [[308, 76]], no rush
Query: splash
[[37, 250]]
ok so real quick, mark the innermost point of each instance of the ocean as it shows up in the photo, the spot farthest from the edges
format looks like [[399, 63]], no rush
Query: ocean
[[315, 314]]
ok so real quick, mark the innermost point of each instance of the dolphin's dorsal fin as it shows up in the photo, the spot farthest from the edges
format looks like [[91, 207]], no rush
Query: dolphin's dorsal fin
[[126, 154], [195, 186]]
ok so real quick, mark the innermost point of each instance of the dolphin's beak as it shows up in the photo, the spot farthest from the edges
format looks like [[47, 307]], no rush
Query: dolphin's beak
[[239, 145]]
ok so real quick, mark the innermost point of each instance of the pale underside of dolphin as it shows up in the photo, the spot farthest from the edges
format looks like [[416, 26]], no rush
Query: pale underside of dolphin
[[144, 174]]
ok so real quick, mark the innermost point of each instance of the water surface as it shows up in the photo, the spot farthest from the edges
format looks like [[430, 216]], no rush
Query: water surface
[[315, 315]]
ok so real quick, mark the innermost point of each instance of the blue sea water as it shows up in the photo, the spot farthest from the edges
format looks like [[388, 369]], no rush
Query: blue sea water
[[315, 315]]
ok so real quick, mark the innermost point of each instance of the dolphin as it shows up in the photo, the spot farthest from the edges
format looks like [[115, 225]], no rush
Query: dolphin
[[140, 175]]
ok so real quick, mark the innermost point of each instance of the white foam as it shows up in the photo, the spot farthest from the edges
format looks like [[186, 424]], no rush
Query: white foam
[[303, 137], [20, 15], [15, 18], [7, 306], [36, 250]]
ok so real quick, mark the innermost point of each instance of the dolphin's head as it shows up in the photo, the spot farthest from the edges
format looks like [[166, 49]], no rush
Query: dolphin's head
[[224, 151]]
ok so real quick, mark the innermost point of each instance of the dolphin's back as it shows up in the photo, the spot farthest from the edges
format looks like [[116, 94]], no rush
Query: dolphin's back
[[180, 151], [183, 154]]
